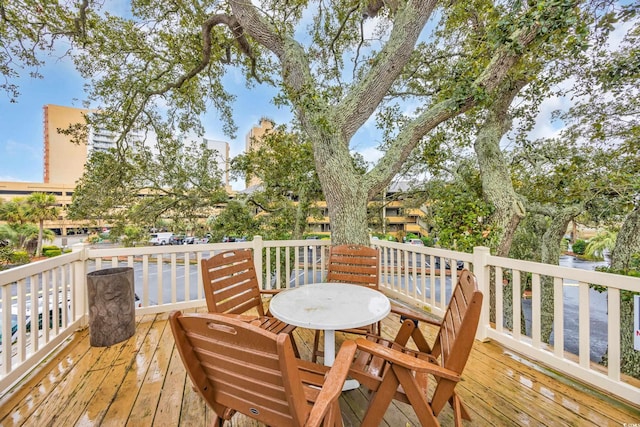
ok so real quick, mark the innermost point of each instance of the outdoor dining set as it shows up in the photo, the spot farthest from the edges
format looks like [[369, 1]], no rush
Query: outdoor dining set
[[242, 357]]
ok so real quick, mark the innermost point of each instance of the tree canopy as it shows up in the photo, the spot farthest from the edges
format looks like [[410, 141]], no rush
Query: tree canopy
[[289, 186], [182, 184], [410, 65]]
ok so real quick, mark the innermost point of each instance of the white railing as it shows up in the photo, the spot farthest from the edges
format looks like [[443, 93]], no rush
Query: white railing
[[580, 304], [169, 278], [45, 296]]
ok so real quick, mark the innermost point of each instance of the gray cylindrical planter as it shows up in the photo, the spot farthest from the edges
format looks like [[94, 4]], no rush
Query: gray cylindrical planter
[[111, 306]]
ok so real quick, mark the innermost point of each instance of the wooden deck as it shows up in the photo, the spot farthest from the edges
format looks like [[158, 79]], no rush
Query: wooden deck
[[142, 382]]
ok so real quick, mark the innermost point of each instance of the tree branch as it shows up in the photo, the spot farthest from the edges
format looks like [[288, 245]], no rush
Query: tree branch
[[232, 23], [409, 136], [360, 103]]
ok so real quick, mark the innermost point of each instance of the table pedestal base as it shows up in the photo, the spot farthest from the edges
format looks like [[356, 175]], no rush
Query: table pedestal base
[[330, 356]]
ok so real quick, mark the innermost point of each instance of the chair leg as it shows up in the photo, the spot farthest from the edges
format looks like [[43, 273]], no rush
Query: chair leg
[[316, 351], [380, 401], [295, 347], [417, 399], [459, 410]]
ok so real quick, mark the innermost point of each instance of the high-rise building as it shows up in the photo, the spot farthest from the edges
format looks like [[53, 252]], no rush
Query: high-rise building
[[253, 141], [63, 160], [222, 149]]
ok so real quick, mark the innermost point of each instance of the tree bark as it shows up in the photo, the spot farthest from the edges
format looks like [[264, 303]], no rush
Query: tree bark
[[550, 254], [495, 172], [346, 194], [627, 242], [40, 237]]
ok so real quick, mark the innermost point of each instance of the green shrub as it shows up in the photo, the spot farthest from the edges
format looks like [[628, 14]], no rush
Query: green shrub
[[429, 241], [21, 257], [52, 252], [579, 247]]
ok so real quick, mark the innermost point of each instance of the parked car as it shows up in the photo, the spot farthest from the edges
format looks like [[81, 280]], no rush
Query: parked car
[[28, 324], [447, 264], [176, 240], [191, 240], [160, 238], [416, 242], [14, 326], [312, 238]]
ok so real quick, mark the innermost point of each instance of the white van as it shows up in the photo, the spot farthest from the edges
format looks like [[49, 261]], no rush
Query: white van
[[160, 238]]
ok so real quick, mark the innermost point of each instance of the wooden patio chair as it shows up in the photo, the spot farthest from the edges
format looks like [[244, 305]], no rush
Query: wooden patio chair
[[231, 287], [355, 264], [392, 371], [237, 366]]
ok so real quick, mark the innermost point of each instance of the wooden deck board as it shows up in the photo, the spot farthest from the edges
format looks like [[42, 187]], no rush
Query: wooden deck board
[[159, 341], [142, 382], [119, 408]]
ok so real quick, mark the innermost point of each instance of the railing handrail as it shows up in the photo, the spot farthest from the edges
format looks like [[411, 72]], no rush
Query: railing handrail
[[171, 274]]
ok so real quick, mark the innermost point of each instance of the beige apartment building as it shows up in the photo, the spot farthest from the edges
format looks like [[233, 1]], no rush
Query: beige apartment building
[[63, 193], [253, 141], [63, 161]]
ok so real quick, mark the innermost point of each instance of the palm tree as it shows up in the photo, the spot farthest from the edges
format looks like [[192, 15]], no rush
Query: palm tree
[[41, 207], [9, 234], [19, 235], [14, 211], [600, 243]]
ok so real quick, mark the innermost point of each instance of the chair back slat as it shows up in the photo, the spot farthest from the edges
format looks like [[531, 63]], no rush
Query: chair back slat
[[354, 264], [230, 283], [462, 315], [237, 365], [457, 333], [393, 378]]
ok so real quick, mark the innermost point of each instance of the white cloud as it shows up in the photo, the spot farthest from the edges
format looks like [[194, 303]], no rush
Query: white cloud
[[545, 126], [371, 154]]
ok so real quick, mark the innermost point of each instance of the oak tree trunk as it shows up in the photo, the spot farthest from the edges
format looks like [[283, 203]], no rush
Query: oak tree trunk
[[627, 244], [550, 254]]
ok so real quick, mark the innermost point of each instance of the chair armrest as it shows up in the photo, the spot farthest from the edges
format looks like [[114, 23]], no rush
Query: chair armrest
[[410, 362], [334, 381], [412, 314], [271, 291], [242, 317]]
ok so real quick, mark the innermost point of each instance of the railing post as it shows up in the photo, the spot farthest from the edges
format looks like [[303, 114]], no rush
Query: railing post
[[80, 303], [258, 247], [482, 273]]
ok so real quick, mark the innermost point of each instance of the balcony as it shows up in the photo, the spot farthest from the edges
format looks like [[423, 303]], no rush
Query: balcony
[[512, 378]]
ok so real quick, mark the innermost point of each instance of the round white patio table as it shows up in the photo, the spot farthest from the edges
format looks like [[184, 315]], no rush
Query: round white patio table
[[330, 307]]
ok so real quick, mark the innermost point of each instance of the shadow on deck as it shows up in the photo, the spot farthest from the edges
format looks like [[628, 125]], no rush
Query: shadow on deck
[[142, 382]]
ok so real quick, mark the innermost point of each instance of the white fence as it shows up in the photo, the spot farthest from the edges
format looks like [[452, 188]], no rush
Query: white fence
[[169, 278]]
